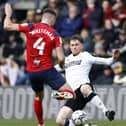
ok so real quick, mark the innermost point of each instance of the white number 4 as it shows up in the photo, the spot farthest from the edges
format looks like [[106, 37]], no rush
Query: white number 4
[[39, 44]]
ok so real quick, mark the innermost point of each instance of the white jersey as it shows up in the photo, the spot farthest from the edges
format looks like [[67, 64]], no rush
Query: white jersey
[[77, 68]]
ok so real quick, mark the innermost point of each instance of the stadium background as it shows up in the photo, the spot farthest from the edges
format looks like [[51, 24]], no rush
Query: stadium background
[[102, 26]]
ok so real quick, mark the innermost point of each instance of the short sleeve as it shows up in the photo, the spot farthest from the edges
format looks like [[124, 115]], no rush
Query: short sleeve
[[57, 40], [26, 27]]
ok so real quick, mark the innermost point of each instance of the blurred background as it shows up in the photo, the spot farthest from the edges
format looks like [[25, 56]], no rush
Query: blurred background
[[102, 26]]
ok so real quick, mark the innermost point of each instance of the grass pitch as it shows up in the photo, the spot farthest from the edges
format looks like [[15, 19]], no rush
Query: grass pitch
[[52, 123]]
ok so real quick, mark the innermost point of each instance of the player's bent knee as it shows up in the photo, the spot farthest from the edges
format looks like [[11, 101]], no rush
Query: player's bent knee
[[86, 90]]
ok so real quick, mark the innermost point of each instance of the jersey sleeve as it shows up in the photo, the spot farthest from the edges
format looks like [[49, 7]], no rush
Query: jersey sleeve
[[25, 27], [57, 40], [99, 60]]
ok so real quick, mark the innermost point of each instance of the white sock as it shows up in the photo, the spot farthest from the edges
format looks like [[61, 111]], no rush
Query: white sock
[[98, 103], [71, 123]]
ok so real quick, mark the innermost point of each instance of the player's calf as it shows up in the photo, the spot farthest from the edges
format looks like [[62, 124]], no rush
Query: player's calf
[[65, 112], [38, 108], [59, 122]]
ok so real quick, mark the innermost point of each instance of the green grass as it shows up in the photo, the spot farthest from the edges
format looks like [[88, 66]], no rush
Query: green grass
[[52, 123]]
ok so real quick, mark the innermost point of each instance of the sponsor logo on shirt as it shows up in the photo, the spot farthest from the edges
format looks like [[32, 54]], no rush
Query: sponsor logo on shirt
[[73, 63]]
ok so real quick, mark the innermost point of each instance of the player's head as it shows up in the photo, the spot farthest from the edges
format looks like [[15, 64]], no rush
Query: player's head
[[48, 16], [76, 44]]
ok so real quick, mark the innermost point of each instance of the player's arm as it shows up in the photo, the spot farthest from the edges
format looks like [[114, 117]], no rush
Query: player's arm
[[60, 56], [105, 61], [59, 49], [8, 25]]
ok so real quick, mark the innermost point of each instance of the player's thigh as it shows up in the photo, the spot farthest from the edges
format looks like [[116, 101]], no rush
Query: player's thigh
[[78, 103], [54, 79], [36, 81]]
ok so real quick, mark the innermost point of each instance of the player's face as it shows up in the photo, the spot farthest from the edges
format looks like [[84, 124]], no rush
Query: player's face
[[75, 46]]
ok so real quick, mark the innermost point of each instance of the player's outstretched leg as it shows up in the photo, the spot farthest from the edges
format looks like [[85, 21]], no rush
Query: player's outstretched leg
[[38, 108], [95, 100]]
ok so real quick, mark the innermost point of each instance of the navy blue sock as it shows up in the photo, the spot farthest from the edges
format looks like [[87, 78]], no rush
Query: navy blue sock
[[66, 123]]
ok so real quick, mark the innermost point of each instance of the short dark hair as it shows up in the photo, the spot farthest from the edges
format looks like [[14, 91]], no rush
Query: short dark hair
[[77, 37], [49, 10]]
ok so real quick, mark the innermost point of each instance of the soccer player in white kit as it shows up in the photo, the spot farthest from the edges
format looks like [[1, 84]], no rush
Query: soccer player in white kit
[[77, 68]]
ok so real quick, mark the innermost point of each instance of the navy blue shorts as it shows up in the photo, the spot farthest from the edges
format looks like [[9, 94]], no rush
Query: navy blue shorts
[[50, 77]]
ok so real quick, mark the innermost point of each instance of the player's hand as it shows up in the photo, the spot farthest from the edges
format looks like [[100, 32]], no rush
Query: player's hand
[[117, 6], [122, 16], [8, 10], [116, 53]]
